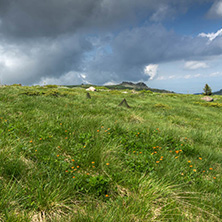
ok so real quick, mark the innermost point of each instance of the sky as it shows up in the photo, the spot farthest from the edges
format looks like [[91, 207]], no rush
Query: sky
[[168, 44]]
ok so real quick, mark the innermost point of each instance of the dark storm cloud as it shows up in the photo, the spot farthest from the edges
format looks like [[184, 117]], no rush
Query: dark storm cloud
[[134, 49], [48, 39], [31, 18], [28, 62]]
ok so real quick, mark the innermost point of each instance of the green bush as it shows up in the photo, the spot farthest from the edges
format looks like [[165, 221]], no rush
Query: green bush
[[51, 86], [16, 85], [160, 105], [207, 104]]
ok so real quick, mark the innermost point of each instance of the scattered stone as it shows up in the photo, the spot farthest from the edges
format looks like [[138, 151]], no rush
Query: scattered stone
[[88, 96], [124, 92], [124, 103], [91, 88], [208, 99], [134, 91]]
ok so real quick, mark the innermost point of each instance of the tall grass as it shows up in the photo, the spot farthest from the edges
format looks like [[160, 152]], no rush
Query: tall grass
[[64, 157]]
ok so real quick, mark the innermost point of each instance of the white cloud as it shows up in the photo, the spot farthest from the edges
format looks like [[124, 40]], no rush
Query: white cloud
[[70, 78], [188, 77], [215, 74], [211, 36], [161, 78], [151, 70], [197, 75], [172, 77], [195, 65], [160, 14], [216, 10], [110, 83]]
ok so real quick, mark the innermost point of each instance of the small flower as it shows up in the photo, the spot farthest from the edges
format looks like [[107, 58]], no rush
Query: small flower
[[191, 165], [154, 147], [181, 144], [194, 170], [97, 130], [177, 151], [102, 126], [182, 174], [189, 161], [67, 171], [214, 178], [73, 177], [93, 162], [59, 146], [105, 131], [77, 166], [73, 160], [58, 155], [161, 157], [180, 150], [107, 195], [93, 166], [66, 131], [84, 147], [35, 150], [107, 164], [157, 161], [134, 151], [204, 171], [30, 141], [176, 157], [200, 158], [72, 167], [60, 124], [170, 151], [210, 168], [66, 138], [40, 138], [155, 152], [140, 152]]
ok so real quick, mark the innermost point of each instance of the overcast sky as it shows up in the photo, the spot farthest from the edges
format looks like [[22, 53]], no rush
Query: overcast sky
[[168, 44]]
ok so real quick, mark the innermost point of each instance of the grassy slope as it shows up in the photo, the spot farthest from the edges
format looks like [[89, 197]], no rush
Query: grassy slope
[[67, 158]]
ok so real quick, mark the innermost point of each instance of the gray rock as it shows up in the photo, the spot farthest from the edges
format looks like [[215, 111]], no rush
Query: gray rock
[[208, 98]]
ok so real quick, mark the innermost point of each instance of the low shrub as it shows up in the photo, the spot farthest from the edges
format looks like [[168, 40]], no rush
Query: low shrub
[[51, 86]]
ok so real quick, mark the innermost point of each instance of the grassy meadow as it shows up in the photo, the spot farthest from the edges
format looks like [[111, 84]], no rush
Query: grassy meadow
[[65, 157]]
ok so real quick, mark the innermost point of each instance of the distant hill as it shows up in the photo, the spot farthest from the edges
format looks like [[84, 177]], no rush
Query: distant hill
[[136, 86], [124, 85], [218, 92], [139, 85]]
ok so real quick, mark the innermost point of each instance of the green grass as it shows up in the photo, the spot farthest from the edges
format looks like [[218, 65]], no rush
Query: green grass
[[64, 157]]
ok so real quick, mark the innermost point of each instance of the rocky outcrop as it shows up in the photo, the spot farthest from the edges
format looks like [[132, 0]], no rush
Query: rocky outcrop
[[91, 88], [139, 85], [208, 98]]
